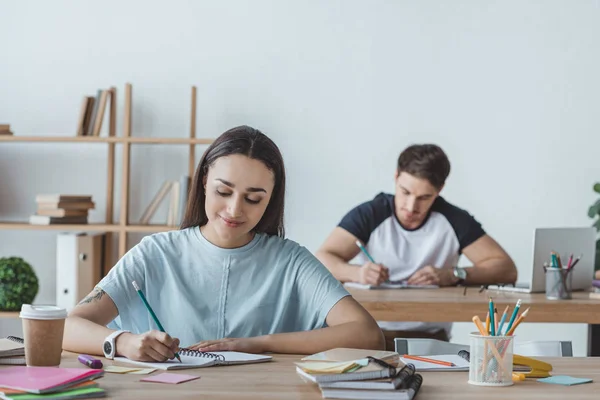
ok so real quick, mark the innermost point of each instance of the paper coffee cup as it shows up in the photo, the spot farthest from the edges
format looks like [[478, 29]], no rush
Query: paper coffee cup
[[43, 328]]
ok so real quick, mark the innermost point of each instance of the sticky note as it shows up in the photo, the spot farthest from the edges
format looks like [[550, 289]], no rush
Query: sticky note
[[169, 378], [565, 380], [143, 371]]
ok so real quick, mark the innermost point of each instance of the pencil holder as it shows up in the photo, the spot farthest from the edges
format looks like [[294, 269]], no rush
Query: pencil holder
[[558, 284], [491, 360]]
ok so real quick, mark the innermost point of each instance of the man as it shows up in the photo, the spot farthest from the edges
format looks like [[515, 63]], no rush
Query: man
[[417, 236]]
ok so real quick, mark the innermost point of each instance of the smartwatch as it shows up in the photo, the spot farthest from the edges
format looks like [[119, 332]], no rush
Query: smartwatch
[[109, 347], [460, 274]]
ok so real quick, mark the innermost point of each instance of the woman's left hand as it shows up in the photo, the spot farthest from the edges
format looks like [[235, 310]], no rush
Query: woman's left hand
[[244, 345]]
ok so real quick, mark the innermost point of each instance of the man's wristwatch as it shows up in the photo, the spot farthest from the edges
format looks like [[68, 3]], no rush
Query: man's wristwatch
[[460, 274], [109, 347]]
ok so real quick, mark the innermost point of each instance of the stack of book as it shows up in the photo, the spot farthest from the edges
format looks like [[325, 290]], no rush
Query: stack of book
[[61, 209], [360, 374], [5, 129], [25, 383]]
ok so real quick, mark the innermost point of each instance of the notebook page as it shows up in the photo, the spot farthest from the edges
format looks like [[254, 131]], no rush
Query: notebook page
[[186, 363], [460, 363]]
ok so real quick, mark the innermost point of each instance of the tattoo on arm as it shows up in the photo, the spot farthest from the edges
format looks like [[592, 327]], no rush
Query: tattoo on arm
[[96, 295]]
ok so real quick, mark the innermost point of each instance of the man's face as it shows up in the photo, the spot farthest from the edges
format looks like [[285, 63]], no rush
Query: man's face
[[414, 197]]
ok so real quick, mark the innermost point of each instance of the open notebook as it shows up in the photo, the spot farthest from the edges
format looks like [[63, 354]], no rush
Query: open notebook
[[389, 285], [12, 351], [460, 364], [199, 359]]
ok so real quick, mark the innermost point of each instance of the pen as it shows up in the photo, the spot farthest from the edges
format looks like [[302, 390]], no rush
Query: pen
[[364, 250], [429, 360], [154, 317], [570, 261], [89, 361], [576, 261]]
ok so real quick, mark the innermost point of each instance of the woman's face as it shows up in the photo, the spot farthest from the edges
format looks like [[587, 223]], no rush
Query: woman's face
[[238, 190]]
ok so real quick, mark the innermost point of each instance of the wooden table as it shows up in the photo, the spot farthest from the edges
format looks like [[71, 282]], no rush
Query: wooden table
[[278, 380], [451, 305]]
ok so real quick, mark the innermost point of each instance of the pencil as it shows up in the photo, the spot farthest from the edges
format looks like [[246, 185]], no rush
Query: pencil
[[517, 322], [154, 317], [492, 321], [487, 323], [502, 321], [479, 325], [429, 360], [364, 250], [513, 316]]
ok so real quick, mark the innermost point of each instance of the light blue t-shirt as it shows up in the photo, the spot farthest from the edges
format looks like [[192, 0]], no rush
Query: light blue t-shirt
[[201, 292]]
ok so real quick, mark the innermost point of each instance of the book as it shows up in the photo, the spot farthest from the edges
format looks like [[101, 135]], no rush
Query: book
[[94, 113], [407, 393], [371, 371], [158, 197], [184, 185], [11, 346], [46, 220], [12, 393], [57, 198], [99, 117], [460, 363], [199, 359], [388, 285], [398, 381], [69, 205], [88, 115], [45, 379], [61, 212], [82, 114], [85, 393], [341, 354], [12, 361]]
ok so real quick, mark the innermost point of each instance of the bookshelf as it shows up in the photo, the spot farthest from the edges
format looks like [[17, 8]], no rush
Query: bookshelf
[[122, 227]]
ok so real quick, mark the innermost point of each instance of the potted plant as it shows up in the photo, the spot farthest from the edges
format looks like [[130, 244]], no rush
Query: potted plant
[[594, 212], [18, 283]]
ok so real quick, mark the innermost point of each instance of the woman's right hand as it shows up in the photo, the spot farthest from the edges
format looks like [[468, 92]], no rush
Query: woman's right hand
[[149, 346]]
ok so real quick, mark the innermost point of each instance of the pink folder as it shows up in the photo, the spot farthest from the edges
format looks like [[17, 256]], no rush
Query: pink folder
[[45, 379]]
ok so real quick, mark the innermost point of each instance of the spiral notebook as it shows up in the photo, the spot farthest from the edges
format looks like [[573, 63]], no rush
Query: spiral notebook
[[200, 359], [12, 351], [400, 380], [407, 392]]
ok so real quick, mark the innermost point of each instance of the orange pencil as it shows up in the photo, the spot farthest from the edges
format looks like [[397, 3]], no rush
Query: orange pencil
[[429, 360], [517, 322], [479, 325], [487, 323]]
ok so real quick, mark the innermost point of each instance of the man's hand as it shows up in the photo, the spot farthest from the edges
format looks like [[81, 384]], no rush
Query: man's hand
[[150, 346], [244, 345], [433, 276], [373, 274]]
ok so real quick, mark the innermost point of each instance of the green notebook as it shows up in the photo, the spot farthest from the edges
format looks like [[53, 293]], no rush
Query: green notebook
[[86, 393]]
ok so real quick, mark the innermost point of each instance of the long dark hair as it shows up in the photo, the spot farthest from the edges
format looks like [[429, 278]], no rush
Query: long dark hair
[[253, 144]]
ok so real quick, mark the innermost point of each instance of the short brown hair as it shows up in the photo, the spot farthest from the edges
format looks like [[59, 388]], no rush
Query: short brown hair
[[425, 161]]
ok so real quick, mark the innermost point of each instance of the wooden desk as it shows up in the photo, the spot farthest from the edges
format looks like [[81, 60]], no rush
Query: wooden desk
[[278, 380], [450, 305]]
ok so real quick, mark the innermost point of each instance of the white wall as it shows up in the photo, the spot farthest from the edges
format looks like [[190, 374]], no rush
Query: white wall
[[508, 88]]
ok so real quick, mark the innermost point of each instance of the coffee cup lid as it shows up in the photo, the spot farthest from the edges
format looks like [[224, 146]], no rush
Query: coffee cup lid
[[42, 312]]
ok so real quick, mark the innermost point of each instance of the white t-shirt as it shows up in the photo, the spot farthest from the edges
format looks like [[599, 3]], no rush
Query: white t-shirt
[[438, 242]]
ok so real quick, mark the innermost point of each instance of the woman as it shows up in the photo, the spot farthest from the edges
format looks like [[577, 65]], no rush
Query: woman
[[227, 280]]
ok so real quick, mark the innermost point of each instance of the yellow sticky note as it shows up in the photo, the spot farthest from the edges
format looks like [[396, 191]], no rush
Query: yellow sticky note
[[143, 371], [115, 369]]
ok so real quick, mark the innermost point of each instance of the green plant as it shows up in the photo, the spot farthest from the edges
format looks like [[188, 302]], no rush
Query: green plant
[[594, 212], [18, 283]]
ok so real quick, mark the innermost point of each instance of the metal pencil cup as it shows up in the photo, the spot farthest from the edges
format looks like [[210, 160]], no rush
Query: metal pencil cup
[[558, 284], [491, 360]]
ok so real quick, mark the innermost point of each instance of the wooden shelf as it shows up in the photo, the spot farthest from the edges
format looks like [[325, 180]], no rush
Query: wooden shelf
[[150, 228], [111, 139], [9, 314], [147, 140], [63, 139], [24, 226]]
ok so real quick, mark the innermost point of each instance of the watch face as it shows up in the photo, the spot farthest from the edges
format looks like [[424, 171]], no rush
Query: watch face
[[107, 348], [461, 273]]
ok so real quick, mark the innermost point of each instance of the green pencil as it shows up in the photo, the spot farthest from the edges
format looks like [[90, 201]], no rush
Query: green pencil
[[154, 317]]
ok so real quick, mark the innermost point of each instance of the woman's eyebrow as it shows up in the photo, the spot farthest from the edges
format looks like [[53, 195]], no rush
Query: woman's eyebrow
[[249, 189]]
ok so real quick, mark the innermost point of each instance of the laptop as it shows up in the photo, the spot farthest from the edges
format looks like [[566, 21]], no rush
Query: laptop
[[563, 241]]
